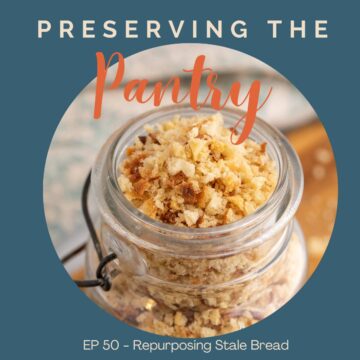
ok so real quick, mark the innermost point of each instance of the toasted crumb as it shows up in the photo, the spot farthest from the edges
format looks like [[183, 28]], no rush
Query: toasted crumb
[[263, 147], [180, 319], [191, 217], [186, 172], [207, 332]]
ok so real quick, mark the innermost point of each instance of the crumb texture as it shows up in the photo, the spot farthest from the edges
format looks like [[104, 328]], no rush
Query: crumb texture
[[185, 312], [186, 172]]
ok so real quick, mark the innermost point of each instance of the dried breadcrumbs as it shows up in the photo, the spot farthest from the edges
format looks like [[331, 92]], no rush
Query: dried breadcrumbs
[[186, 172]]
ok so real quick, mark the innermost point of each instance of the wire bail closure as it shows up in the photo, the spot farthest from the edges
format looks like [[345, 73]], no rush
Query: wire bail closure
[[102, 277]]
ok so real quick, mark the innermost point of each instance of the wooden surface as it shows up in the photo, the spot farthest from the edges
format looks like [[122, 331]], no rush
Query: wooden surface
[[317, 210]]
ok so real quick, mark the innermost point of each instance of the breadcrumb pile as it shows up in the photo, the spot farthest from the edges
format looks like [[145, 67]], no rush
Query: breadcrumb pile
[[186, 172]]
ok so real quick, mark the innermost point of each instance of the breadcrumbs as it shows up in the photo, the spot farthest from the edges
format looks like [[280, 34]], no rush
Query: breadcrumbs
[[186, 172]]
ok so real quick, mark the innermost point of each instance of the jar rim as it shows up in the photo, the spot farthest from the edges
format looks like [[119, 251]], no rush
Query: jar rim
[[105, 173]]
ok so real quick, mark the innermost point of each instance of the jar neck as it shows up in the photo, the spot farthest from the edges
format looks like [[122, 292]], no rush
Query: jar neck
[[266, 223]]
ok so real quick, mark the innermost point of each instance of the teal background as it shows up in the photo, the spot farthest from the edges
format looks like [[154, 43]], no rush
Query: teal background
[[43, 314]]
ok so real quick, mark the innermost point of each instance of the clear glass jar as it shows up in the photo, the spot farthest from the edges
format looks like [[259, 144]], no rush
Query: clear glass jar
[[190, 282]]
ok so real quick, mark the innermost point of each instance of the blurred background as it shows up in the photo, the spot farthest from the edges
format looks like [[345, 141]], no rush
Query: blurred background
[[79, 137]]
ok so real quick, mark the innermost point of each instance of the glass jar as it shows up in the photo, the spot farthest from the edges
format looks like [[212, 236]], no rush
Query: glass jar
[[198, 282]]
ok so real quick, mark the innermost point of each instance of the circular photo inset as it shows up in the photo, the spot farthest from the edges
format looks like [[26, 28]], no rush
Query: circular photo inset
[[165, 215]]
